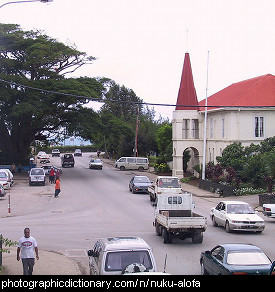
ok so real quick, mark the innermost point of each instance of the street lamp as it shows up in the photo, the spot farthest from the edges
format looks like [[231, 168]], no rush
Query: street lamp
[[14, 2]]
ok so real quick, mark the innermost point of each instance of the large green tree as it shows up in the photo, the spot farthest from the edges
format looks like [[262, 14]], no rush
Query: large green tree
[[30, 60]]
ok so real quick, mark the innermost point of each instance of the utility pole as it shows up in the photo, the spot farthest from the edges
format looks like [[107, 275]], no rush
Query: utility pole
[[136, 139]]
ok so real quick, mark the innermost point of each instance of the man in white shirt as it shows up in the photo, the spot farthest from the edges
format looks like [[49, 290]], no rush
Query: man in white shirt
[[27, 245]]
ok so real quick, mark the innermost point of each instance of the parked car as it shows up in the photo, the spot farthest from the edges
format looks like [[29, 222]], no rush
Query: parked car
[[95, 163], [115, 255], [2, 191], [77, 152], [10, 175], [139, 183], [5, 179], [67, 160], [236, 215], [55, 152], [236, 259], [269, 210], [37, 176]]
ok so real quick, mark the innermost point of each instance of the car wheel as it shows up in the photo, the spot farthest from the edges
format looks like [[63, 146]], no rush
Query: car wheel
[[214, 221], [227, 227], [140, 168], [122, 168], [167, 237]]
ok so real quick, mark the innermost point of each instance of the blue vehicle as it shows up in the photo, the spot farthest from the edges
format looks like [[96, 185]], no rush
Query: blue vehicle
[[235, 259]]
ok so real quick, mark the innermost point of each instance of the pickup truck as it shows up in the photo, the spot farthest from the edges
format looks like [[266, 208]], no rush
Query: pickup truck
[[174, 217], [67, 160], [163, 184], [269, 210]]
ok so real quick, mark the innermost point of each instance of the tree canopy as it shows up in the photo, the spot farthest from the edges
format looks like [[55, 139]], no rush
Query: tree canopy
[[28, 60], [37, 97]]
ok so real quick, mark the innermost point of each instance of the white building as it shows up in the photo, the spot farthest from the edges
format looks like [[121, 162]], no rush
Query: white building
[[242, 112]]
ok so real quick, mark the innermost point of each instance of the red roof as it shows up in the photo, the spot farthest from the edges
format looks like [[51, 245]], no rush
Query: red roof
[[258, 91], [187, 92]]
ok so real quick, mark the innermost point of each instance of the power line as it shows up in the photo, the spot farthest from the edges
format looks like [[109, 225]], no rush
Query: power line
[[104, 100]]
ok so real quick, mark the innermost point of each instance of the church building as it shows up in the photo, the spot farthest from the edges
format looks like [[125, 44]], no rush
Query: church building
[[242, 112]]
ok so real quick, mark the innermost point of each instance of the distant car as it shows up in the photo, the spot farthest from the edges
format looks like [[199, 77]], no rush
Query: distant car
[[67, 160], [47, 168], [139, 184], [236, 259], [55, 152], [269, 210], [95, 163], [42, 155], [37, 176], [77, 152], [236, 215], [5, 179], [2, 191]]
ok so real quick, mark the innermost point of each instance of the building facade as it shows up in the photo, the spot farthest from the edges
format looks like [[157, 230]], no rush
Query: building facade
[[242, 112]]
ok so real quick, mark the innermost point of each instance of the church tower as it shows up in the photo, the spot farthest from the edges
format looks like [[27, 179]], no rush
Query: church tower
[[185, 123]]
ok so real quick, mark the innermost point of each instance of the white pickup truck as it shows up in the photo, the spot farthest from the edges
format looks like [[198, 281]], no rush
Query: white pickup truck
[[174, 217], [164, 184], [269, 210]]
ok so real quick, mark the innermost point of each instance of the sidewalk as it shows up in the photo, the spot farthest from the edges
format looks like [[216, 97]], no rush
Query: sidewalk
[[49, 263]]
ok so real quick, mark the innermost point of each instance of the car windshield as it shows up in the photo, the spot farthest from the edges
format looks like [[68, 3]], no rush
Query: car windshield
[[169, 183], [3, 174], [96, 161], [67, 156], [239, 209], [141, 179], [247, 258], [117, 261], [37, 171]]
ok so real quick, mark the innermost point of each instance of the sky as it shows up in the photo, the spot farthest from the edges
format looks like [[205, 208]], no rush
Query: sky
[[141, 43]]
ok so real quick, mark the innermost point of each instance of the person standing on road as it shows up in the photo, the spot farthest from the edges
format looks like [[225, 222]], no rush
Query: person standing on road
[[27, 245], [51, 175], [57, 187]]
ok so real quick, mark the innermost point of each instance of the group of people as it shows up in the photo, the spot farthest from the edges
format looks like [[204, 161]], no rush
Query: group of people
[[54, 178]]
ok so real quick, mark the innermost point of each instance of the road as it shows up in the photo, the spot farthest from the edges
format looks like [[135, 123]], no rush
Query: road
[[97, 203]]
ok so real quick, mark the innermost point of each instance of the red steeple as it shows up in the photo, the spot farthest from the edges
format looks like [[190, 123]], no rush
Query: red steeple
[[187, 92]]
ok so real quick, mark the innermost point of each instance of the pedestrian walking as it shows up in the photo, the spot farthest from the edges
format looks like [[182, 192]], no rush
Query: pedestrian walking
[[27, 245], [57, 187]]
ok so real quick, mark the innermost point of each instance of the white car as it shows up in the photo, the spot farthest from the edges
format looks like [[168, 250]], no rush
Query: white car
[[269, 210], [236, 215], [6, 178]]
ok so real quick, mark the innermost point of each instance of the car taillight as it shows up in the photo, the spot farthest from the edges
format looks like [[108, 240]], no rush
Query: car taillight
[[267, 209], [239, 273]]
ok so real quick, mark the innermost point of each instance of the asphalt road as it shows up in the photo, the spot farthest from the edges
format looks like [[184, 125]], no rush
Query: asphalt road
[[98, 203]]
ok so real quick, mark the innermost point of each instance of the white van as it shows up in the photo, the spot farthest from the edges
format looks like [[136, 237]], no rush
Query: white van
[[140, 163], [117, 255], [37, 176]]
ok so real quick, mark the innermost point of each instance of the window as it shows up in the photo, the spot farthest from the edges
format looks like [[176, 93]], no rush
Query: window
[[218, 253], [259, 126], [117, 261], [222, 127], [174, 200], [211, 128], [131, 160], [195, 129], [185, 129], [247, 258]]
